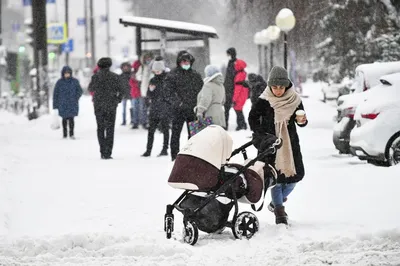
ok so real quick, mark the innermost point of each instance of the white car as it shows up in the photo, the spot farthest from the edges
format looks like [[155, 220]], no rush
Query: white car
[[332, 91], [376, 137], [366, 77]]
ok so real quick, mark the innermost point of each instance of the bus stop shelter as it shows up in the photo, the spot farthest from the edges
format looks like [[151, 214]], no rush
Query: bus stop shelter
[[173, 31]]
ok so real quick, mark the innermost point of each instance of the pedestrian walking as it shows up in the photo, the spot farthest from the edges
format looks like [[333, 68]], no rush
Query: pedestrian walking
[[108, 93], [67, 93], [278, 110]]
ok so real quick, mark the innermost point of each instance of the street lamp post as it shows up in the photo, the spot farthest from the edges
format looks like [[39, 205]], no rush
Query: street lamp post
[[257, 41], [286, 21], [265, 40], [272, 33]]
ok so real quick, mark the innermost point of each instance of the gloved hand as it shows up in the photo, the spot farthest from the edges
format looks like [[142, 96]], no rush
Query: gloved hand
[[200, 118], [263, 141]]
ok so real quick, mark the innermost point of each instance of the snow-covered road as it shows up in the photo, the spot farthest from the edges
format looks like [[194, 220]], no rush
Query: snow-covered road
[[61, 205]]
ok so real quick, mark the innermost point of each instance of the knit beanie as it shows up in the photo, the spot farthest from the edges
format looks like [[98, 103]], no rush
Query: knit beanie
[[279, 77], [211, 70], [158, 66]]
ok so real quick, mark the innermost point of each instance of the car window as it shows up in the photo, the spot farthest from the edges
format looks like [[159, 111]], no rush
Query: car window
[[385, 82]]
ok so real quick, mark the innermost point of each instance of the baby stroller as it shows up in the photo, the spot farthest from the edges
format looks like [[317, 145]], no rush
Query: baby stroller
[[213, 186]]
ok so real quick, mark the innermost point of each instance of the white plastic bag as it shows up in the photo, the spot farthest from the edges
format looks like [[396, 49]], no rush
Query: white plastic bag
[[55, 120]]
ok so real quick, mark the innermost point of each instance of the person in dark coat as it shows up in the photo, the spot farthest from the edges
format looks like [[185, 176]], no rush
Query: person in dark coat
[[275, 113], [67, 92], [108, 93], [229, 82], [159, 108], [184, 84], [257, 85], [125, 77]]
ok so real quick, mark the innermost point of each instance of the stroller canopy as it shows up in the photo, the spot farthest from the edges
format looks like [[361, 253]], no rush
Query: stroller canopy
[[213, 145]]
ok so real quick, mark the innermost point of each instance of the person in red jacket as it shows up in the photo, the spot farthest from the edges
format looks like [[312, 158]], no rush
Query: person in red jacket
[[135, 95], [240, 93]]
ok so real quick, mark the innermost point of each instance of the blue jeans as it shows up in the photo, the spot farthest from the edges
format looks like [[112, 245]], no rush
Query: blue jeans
[[139, 111], [281, 191]]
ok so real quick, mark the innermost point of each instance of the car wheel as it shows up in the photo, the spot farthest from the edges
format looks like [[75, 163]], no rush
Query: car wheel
[[393, 151]]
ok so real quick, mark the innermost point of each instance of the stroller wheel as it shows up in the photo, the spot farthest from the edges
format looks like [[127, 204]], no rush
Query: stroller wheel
[[169, 225], [190, 233], [245, 225]]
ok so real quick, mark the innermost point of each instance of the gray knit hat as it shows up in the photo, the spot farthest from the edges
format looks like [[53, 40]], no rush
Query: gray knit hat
[[211, 70], [279, 77], [158, 66]]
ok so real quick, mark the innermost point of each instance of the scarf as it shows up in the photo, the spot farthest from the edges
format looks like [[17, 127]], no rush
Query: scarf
[[284, 107]]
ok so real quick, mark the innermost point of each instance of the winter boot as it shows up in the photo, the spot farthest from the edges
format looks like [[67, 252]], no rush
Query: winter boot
[[131, 113], [271, 206], [164, 152], [134, 127], [173, 157], [241, 123], [280, 215], [146, 154]]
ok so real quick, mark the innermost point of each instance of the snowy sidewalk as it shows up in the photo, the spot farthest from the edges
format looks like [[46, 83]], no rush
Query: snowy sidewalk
[[61, 205]]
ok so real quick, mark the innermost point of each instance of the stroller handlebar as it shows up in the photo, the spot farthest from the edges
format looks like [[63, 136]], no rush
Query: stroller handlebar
[[274, 146], [241, 148]]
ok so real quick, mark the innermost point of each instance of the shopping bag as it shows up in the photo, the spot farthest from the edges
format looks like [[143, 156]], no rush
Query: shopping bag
[[198, 125], [55, 120]]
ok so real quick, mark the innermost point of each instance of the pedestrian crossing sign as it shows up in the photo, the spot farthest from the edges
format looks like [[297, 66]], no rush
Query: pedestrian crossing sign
[[57, 33]]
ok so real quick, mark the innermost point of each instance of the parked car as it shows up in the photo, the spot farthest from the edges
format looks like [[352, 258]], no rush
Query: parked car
[[366, 77], [332, 91], [376, 137]]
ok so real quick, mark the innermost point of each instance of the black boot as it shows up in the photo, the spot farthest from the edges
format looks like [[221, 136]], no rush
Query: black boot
[[131, 113], [280, 215], [164, 152], [146, 154], [173, 157], [241, 123]]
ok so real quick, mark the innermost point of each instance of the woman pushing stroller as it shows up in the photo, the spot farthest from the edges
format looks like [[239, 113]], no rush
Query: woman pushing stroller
[[277, 111]]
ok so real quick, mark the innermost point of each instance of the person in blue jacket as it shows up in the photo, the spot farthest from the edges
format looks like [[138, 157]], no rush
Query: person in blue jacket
[[66, 99]]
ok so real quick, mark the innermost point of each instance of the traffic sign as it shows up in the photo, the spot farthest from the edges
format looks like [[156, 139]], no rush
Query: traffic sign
[[56, 33], [16, 27], [68, 46], [81, 21], [29, 2]]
